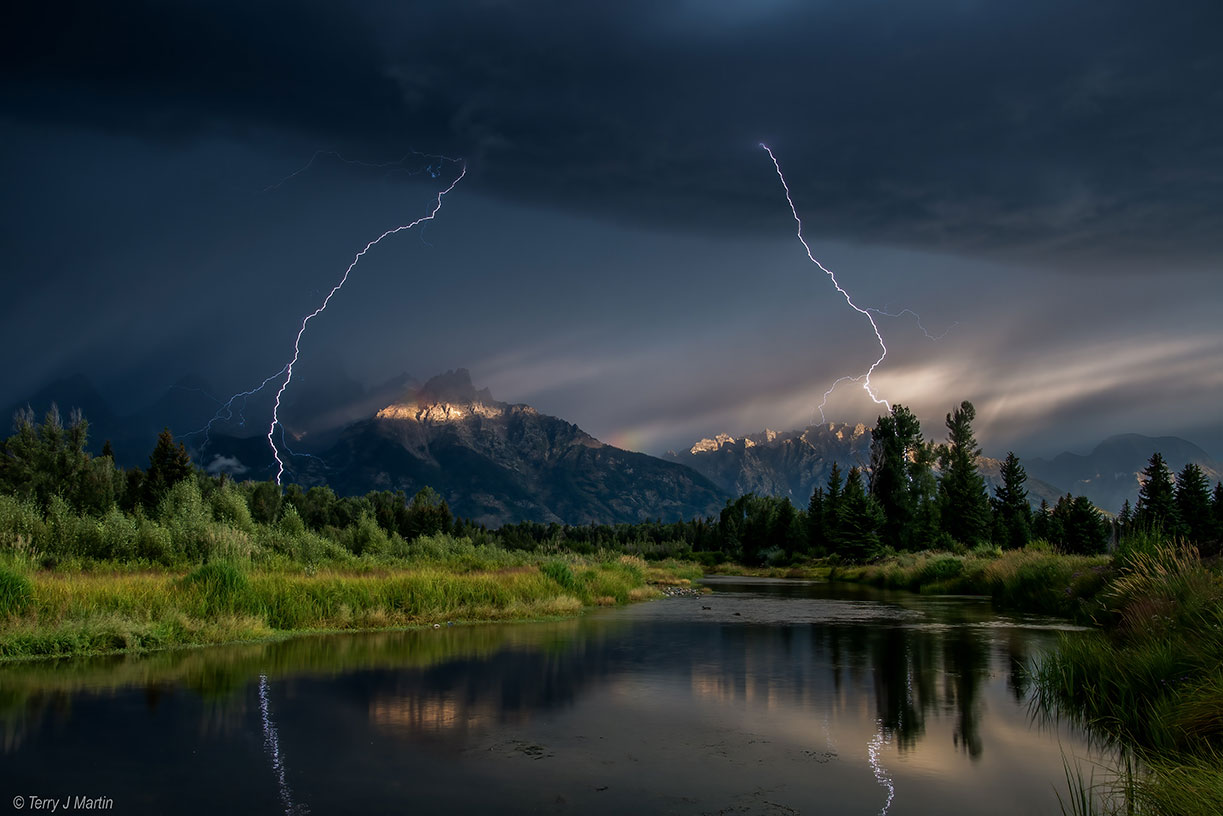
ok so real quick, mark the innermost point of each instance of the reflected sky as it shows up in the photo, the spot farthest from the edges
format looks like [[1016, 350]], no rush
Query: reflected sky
[[763, 697]]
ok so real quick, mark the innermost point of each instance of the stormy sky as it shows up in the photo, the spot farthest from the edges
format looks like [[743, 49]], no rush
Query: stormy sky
[[1042, 182]]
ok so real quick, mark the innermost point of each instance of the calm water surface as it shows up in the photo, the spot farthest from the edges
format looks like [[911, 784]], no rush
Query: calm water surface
[[766, 697]]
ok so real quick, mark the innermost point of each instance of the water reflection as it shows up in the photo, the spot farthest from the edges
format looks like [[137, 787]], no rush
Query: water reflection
[[764, 696]]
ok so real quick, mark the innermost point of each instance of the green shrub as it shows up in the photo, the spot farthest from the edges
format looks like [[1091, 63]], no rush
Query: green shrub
[[19, 519], [229, 507]]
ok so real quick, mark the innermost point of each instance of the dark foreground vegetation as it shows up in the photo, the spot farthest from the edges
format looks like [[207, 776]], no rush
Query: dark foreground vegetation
[[94, 558]]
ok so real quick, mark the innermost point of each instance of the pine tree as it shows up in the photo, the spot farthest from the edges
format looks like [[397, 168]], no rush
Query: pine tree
[[1156, 509], [169, 464], [832, 501], [1216, 506], [1040, 522], [1079, 526], [816, 543], [1192, 497], [1124, 521], [963, 497], [107, 450], [1011, 507], [856, 536], [895, 444]]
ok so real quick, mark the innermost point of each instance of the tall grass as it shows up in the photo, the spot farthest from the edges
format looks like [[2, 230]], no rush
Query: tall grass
[[72, 612], [1152, 680], [1033, 579]]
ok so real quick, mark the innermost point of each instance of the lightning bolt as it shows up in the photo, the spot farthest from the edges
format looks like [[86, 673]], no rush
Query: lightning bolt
[[917, 319], [226, 411], [865, 379], [344, 279]]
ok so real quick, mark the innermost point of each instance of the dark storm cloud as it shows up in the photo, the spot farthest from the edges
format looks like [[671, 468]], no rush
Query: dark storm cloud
[[1073, 132]]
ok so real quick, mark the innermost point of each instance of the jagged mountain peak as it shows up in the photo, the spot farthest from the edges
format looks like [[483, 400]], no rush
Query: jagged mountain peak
[[453, 387], [449, 397]]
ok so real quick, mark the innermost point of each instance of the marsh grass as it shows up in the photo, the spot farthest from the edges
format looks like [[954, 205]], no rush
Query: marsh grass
[[73, 613], [1152, 681], [1033, 579]]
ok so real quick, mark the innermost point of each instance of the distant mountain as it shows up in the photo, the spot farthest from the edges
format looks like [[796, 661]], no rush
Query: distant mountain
[[794, 463], [496, 463], [1109, 474], [773, 463], [1038, 489]]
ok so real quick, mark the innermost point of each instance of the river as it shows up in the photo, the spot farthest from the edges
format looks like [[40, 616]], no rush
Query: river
[[765, 697]]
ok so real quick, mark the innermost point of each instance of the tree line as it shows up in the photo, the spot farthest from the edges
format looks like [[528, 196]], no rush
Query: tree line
[[916, 494]]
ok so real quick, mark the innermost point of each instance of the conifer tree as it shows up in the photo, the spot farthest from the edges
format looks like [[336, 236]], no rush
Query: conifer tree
[[1011, 506], [1079, 526], [1216, 506], [1040, 522], [1192, 498], [963, 498], [1156, 509], [169, 464], [895, 446], [832, 501], [856, 535], [815, 522]]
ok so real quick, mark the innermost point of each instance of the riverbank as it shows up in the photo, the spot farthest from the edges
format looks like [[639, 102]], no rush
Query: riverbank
[[1148, 679], [1033, 579], [61, 613]]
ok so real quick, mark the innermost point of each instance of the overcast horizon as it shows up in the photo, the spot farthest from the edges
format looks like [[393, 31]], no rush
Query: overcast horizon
[[1041, 184]]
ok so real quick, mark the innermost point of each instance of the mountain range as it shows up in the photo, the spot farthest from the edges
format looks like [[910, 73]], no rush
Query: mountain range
[[497, 462]]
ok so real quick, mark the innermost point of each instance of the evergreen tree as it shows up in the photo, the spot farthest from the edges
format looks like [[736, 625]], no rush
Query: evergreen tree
[[169, 464], [816, 537], [1156, 509], [832, 505], [1192, 498], [1217, 510], [1011, 508], [895, 444], [1041, 522], [856, 536], [1124, 521], [963, 497], [1079, 526], [923, 484], [107, 450]]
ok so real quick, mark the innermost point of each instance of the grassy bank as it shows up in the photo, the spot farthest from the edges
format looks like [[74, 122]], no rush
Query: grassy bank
[[99, 610], [1034, 579], [1151, 682], [1149, 678]]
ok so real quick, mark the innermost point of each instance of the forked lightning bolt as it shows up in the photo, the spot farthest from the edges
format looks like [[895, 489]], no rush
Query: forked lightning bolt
[[865, 379], [306, 320]]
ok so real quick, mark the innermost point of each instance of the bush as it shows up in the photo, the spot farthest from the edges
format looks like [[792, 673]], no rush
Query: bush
[[229, 507]]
